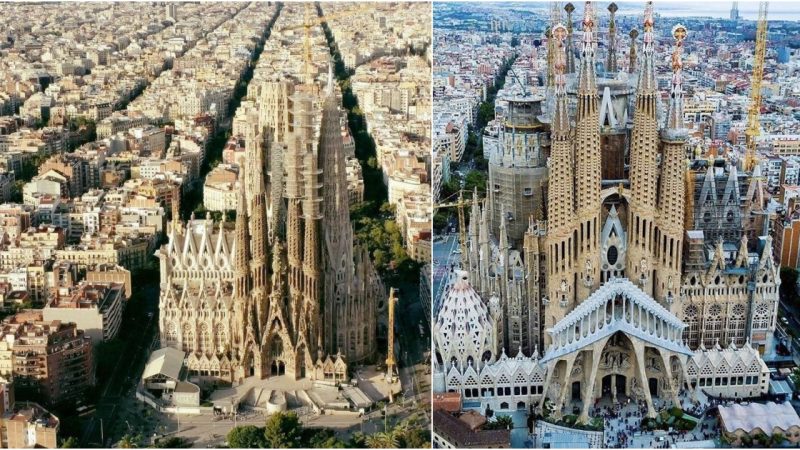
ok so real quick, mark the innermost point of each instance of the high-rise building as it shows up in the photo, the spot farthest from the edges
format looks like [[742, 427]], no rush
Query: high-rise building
[[619, 289]]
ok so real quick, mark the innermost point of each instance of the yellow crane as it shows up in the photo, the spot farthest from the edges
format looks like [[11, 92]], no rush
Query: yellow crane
[[310, 21], [390, 362], [753, 123], [462, 231]]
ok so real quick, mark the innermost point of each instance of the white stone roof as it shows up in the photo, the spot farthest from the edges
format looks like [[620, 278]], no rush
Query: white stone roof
[[463, 327], [765, 417], [610, 290], [166, 361]]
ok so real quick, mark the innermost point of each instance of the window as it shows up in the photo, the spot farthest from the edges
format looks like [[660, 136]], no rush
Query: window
[[527, 192]]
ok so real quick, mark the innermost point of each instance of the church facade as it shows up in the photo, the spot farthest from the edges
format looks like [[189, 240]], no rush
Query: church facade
[[286, 290], [616, 290]]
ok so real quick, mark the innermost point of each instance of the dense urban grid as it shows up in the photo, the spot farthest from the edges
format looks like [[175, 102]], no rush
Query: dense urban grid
[[207, 210], [615, 248]]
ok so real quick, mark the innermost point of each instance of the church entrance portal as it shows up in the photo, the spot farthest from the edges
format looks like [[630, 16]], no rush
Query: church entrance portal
[[278, 368], [653, 385], [576, 391], [614, 385]]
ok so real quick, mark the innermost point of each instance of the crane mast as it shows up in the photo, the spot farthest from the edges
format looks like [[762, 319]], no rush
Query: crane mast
[[753, 123]]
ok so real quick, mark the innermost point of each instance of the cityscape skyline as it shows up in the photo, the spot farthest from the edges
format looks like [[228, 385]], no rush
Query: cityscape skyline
[[487, 224]]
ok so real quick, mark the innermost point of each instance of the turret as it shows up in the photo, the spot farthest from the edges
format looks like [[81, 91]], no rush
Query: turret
[[644, 175], [672, 202], [611, 60], [570, 56]]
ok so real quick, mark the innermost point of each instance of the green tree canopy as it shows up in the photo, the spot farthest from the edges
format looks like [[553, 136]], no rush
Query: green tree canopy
[[283, 430], [247, 436]]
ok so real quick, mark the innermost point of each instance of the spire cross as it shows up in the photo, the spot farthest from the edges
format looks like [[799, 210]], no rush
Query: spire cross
[[588, 29], [560, 63], [648, 28], [676, 102]]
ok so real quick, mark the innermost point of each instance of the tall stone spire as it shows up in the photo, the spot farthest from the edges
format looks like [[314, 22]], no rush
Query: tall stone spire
[[675, 115], [644, 175], [561, 185], [258, 208], [561, 196], [587, 124], [672, 200], [632, 53], [611, 61], [241, 286], [570, 55], [587, 154]]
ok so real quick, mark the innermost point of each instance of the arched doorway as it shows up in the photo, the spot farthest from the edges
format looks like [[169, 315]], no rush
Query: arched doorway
[[576, 390], [520, 406], [277, 368], [653, 385], [275, 349], [622, 385]]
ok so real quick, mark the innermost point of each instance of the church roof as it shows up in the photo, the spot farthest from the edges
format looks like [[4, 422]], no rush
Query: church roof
[[765, 417], [613, 288]]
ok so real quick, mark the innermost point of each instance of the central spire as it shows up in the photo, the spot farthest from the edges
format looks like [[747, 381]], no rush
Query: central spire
[[611, 62], [588, 77], [560, 117], [675, 116], [647, 76]]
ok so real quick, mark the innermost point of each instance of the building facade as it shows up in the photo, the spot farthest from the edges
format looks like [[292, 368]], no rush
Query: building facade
[[248, 300], [615, 290]]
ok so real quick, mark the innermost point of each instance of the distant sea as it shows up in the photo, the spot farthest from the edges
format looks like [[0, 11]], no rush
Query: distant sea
[[748, 10]]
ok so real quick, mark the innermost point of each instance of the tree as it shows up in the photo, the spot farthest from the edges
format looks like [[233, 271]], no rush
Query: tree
[[778, 439], [475, 179], [322, 438], [485, 113], [514, 41], [357, 440], [70, 442], [382, 440], [283, 430], [174, 442], [130, 441], [440, 220], [247, 436], [500, 423]]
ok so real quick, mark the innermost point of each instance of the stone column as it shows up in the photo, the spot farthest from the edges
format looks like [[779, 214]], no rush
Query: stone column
[[551, 367], [570, 359], [684, 359], [614, 388], [638, 349], [588, 390], [665, 357]]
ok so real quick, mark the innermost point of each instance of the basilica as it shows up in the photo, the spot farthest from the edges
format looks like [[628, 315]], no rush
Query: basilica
[[286, 290], [622, 284]]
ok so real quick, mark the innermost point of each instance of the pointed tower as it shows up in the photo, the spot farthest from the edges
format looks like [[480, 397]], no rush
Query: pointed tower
[[587, 160], [644, 177], [254, 156], [560, 197], [242, 281], [632, 53], [611, 60], [570, 53], [671, 206]]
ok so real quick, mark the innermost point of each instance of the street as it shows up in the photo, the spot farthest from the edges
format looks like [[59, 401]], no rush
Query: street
[[104, 428]]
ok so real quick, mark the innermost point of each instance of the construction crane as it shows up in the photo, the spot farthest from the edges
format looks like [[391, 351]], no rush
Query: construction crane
[[390, 362], [753, 123], [462, 233], [310, 21]]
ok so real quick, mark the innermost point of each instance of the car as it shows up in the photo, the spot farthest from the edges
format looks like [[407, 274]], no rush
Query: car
[[784, 320], [457, 251]]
